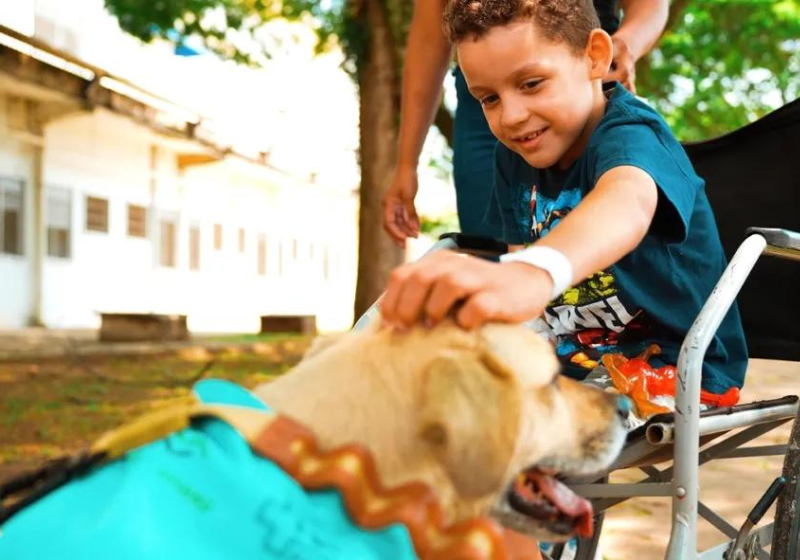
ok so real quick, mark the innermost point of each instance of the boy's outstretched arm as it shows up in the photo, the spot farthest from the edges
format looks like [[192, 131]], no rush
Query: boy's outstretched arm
[[607, 225]]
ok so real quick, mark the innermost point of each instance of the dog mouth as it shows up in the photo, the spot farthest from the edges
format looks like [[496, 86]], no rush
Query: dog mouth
[[539, 495]]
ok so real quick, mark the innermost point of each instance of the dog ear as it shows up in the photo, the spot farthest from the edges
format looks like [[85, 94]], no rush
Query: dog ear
[[519, 353], [470, 418]]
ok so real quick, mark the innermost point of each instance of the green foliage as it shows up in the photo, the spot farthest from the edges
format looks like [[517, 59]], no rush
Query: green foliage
[[437, 226], [353, 37], [353, 31], [724, 64], [229, 28]]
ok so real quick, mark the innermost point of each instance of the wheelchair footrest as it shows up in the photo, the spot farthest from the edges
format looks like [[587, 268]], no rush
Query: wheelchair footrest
[[643, 450], [669, 418]]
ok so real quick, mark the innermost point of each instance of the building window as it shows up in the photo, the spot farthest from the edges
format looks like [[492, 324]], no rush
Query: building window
[[137, 221], [241, 240], [96, 214], [218, 237], [11, 216], [262, 255], [59, 222], [194, 248], [168, 237]]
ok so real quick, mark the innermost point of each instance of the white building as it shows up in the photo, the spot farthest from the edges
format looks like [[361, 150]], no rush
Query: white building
[[113, 199]]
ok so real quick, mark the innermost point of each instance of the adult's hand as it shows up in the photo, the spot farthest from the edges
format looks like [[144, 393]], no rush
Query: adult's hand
[[475, 290], [399, 214], [623, 65]]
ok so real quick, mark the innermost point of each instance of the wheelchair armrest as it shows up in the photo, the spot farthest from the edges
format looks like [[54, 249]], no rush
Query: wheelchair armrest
[[780, 242], [477, 245]]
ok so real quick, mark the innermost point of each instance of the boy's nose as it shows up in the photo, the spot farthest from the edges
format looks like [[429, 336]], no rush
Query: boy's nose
[[514, 114]]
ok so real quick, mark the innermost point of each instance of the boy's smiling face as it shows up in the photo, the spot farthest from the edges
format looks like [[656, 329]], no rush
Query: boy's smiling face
[[541, 99]]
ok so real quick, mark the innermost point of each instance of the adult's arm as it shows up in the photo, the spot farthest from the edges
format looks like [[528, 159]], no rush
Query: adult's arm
[[643, 23], [428, 54]]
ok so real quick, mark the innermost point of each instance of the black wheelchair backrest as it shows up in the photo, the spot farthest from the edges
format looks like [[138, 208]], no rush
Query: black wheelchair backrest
[[753, 179]]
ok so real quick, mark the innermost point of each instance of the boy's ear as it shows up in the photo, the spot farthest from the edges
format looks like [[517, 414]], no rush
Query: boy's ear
[[600, 52]]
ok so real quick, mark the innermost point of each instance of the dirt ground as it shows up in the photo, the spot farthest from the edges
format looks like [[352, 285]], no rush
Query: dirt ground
[[50, 407], [639, 529]]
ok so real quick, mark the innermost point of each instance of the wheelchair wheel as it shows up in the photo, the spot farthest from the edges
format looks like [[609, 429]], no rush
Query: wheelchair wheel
[[786, 533]]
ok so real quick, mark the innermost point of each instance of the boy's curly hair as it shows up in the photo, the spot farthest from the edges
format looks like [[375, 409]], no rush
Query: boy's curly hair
[[566, 21]]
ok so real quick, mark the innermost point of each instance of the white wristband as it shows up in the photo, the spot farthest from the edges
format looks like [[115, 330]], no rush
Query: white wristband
[[548, 259]]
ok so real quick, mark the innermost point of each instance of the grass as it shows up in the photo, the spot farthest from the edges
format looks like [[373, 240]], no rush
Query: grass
[[53, 407], [246, 338]]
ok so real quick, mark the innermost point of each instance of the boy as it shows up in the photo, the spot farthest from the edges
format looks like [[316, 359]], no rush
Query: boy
[[595, 181]]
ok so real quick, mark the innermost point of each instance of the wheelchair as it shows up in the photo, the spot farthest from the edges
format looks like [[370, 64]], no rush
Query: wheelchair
[[752, 178]]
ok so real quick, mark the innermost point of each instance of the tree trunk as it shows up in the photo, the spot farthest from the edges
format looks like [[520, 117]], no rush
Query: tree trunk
[[377, 254]]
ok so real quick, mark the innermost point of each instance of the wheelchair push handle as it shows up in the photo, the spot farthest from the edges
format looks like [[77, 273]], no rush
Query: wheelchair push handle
[[476, 245], [782, 243]]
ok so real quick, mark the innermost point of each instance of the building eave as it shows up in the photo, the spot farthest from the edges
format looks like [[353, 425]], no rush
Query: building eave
[[67, 83]]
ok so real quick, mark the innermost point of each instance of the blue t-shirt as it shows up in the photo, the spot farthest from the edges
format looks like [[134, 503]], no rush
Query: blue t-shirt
[[653, 294]]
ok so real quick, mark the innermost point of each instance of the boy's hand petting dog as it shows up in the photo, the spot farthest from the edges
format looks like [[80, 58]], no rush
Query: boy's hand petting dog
[[474, 290]]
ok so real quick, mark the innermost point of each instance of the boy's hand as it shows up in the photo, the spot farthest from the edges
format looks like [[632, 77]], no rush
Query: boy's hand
[[399, 215], [477, 290]]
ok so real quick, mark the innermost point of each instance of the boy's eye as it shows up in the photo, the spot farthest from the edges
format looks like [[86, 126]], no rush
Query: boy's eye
[[531, 84], [488, 99]]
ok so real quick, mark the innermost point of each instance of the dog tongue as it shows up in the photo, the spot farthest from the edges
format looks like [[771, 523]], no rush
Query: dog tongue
[[567, 501]]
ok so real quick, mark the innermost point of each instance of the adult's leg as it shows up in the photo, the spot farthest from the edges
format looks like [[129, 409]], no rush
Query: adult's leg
[[473, 163]]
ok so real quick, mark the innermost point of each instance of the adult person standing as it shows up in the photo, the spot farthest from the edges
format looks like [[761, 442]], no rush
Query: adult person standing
[[428, 56]]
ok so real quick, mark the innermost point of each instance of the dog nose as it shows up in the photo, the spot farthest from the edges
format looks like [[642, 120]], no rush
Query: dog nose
[[624, 407]]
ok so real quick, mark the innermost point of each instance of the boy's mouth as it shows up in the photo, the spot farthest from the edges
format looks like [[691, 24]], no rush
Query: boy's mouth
[[530, 139]]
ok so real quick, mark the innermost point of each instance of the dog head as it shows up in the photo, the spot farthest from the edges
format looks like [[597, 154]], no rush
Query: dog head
[[504, 423], [483, 417]]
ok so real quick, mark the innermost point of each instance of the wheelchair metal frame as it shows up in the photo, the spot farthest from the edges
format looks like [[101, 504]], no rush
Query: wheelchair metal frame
[[689, 431]]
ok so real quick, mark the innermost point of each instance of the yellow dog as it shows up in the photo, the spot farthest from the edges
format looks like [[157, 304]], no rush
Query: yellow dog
[[465, 412]]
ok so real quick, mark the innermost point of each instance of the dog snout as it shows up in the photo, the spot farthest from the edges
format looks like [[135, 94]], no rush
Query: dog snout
[[624, 407]]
